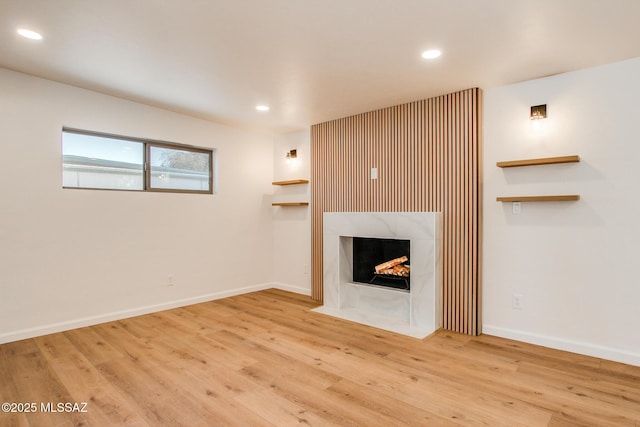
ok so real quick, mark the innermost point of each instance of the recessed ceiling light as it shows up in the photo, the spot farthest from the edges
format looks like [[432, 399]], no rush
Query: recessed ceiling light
[[262, 107], [29, 34], [431, 54]]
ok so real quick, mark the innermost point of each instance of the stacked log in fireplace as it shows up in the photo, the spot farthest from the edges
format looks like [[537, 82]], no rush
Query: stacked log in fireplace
[[392, 274], [394, 267]]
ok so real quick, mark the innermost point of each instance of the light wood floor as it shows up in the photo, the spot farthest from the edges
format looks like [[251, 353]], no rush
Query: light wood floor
[[265, 359]]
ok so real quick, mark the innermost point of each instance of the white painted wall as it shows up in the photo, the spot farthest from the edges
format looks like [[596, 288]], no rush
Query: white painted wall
[[292, 225], [74, 257], [574, 263]]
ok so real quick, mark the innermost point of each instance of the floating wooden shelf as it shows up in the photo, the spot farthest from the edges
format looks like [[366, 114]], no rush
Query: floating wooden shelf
[[291, 182], [291, 204], [563, 198], [542, 161]]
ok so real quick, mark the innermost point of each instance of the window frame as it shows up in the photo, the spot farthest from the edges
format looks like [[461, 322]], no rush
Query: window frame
[[146, 166]]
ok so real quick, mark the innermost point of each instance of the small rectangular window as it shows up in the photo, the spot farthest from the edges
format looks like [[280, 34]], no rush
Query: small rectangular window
[[91, 161], [97, 161], [179, 169]]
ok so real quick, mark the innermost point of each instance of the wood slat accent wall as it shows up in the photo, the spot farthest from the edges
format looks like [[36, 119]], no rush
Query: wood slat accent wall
[[428, 158]]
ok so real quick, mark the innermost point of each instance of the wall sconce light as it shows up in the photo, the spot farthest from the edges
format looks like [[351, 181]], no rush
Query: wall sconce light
[[292, 155], [538, 112]]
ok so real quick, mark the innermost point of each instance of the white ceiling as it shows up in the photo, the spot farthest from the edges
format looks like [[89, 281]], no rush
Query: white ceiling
[[310, 60]]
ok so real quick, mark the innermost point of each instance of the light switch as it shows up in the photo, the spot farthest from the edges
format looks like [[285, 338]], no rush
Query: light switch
[[374, 173]]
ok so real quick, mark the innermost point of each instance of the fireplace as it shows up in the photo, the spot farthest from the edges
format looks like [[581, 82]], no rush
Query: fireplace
[[382, 262], [410, 308]]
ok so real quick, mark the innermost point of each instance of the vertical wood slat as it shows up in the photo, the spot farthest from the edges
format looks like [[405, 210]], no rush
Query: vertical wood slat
[[428, 157]]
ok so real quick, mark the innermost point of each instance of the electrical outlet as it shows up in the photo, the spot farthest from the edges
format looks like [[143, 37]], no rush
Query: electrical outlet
[[516, 208], [170, 281], [374, 173], [517, 301]]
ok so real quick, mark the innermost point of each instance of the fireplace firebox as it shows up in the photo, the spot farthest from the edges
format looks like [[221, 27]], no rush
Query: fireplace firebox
[[382, 262]]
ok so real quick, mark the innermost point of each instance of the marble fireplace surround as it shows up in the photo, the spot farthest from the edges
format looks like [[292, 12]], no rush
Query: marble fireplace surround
[[415, 313]]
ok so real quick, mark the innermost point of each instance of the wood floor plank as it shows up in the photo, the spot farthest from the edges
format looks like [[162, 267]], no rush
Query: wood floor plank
[[280, 411], [18, 348], [206, 351], [124, 342], [279, 361], [483, 373], [245, 325], [356, 335], [195, 322], [54, 346], [531, 350], [36, 383], [206, 401], [92, 346], [315, 399], [9, 392], [210, 361], [340, 364], [265, 359], [146, 390], [297, 299], [402, 412], [85, 384]]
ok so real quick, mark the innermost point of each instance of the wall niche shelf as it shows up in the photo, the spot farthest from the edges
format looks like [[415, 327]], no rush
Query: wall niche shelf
[[291, 182], [541, 161], [561, 198]]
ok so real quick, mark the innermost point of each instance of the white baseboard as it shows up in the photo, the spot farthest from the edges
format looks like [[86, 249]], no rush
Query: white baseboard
[[123, 314], [587, 349], [292, 288]]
